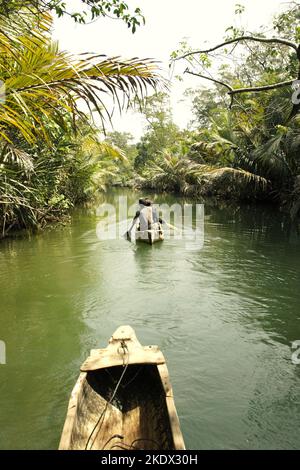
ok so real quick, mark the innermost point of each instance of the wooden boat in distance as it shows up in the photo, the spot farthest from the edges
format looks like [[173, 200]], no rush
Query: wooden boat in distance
[[122, 400], [151, 236]]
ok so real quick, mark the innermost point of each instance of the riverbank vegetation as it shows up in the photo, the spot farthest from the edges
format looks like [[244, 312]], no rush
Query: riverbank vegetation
[[52, 156], [243, 141]]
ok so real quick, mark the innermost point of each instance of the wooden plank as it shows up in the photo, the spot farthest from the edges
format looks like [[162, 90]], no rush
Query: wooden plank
[[65, 441], [175, 426], [165, 379], [109, 358], [116, 355], [173, 416]]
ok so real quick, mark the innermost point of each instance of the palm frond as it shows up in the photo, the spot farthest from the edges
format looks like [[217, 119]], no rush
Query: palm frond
[[39, 79], [271, 158], [17, 156], [238, 174]]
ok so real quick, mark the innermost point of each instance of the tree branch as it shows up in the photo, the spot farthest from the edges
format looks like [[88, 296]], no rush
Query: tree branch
[[215, 81], [256, 89], [210, 78], [235, 91], [284, 42]]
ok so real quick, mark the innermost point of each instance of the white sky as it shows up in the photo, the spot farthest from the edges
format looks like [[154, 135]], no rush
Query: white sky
[[202, 22]]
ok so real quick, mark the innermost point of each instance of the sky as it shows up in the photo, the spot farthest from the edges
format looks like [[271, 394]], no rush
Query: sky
[[201, 22]]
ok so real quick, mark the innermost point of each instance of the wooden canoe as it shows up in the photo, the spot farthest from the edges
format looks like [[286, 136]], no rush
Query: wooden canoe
[[122, 400], [150, 236]]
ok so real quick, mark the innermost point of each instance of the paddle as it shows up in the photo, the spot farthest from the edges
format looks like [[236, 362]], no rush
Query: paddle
[[127, 235], [170, 226]]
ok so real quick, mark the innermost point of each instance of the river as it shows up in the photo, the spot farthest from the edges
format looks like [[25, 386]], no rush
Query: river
[[225, 316]]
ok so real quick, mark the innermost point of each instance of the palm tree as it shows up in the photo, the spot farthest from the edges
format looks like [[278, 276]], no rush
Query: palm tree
[[44, 91], [182, 175], [39, 79]]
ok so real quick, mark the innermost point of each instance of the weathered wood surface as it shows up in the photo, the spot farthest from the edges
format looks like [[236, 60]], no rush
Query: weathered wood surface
[[150, 236], [142, 414], [115, 355]]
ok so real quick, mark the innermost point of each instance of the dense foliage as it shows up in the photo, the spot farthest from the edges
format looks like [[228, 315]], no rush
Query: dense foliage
[[243, 141], [51, 156], [243, 144]]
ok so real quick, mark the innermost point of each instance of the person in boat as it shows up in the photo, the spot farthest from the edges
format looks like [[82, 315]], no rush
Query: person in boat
[[147, 218]]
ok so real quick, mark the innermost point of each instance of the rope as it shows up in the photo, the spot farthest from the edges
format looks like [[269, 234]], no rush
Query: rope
[[129, 381], [125, 348], [133, 378], [124, 446], [111, 438]]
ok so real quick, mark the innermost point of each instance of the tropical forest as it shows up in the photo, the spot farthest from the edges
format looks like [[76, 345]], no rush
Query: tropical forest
[[123, 124]]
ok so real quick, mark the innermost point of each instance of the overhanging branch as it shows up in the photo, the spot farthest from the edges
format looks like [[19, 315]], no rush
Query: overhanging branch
[[280, 41], [215, 81], [211, 79], [235, 91], [256, 89]]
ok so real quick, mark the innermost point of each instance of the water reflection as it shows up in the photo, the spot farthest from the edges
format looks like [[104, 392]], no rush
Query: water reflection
[[225, 317]]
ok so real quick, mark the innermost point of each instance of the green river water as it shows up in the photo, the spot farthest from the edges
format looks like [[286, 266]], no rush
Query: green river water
[[225, 317]]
